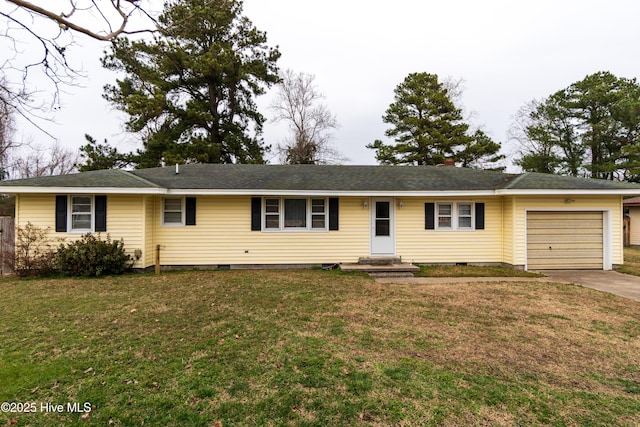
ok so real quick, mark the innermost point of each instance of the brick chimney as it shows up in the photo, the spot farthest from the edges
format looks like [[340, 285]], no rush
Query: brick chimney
[[449, 162]]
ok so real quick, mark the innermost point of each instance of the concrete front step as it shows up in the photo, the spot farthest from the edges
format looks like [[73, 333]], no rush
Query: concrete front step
[[391, 275], [380, 260], [405, 269]]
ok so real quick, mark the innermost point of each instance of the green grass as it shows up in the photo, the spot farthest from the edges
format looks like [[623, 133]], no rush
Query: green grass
[[316, 348], [472, 271]]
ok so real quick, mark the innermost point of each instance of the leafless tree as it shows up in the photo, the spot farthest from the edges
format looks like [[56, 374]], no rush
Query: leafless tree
[[35, 38], [298, 103], [33, 161], [7, 129]]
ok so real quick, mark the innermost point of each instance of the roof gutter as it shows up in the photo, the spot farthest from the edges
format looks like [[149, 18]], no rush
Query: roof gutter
[[79, 190], [565, 192], [321, 193]]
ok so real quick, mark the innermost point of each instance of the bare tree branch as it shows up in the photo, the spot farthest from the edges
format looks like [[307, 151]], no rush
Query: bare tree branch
[[119, 7], [36, 40], [34, 161], [298, 103]]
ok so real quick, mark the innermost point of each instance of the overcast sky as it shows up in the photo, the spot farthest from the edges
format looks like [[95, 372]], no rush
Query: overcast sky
[[506, 52]]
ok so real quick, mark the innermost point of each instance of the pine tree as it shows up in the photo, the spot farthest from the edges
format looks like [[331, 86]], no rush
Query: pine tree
[[190, 91]]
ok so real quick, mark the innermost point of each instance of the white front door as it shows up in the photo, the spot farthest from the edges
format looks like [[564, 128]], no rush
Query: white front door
[[383, 241]]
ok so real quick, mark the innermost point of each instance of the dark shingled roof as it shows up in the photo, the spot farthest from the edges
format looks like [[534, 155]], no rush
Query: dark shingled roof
[[101, 178], [542, 181], [317, 178], [324, 178]]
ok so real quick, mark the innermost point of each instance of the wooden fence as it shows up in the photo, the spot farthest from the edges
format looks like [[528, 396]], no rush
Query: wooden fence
[[7, 244], [627, 230]]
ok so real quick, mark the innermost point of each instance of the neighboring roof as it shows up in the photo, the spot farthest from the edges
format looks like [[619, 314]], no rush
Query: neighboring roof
[[634, 201], [315, 179]]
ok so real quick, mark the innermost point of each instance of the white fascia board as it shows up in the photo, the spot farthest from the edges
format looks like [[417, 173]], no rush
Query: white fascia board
[[326, 193], [79, 190], [307, 193], [567, 192]]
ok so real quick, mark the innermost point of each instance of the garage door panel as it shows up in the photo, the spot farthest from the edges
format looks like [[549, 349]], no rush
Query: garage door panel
[[569, 262], [562, 265], [556, 239], [571, 215], [575, 239], [565, 254], [568, 229], [551, 223], [559, 247]]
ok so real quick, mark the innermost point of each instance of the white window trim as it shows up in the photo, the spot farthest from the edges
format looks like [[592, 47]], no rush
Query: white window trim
[[281, 212], [182, 213], [70, 228], [455, 216]]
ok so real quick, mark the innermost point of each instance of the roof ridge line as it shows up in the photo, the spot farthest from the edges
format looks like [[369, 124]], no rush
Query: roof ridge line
[[514, 181], [141, 179]]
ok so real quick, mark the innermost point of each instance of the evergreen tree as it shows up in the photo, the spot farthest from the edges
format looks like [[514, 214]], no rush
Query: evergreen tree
[[428, 128], [98, 156], [190, 91], [590, 129]]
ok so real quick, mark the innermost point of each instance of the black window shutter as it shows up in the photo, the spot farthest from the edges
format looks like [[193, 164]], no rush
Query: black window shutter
[[190, 207], [101, 213], [256, 213], [479, 216], [333, 213], [429, 216], [61, 214]]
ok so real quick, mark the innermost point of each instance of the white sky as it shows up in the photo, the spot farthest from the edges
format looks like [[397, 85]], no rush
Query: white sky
[[507, 53]]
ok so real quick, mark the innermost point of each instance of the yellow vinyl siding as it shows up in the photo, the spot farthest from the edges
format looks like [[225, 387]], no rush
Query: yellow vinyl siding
[[222, 235], [563, 239], [38, 209], [611, 204], [149, 241], [415, 244], [124, 219], [508, 215]]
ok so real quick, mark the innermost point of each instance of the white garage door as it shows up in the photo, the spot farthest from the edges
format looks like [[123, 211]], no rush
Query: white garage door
[[564, 240]]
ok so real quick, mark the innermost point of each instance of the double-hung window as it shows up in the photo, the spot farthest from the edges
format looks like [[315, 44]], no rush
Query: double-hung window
[[464, 216], [177, 211], [272, 214], [318, 213], [455, 216], [81, 213], [173, 211], [445, 218], [294, 214]]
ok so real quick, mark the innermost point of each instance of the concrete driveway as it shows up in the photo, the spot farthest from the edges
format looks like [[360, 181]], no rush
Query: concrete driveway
[[607, 281]]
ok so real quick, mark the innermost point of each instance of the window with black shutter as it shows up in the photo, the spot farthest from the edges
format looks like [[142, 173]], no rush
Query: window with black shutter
[[61, 214], [101, 213], [458, 216], [190, 211]]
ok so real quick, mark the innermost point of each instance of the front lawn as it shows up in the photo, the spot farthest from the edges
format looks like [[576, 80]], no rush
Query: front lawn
[[631, 261], [316, 348], [439, 270]]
